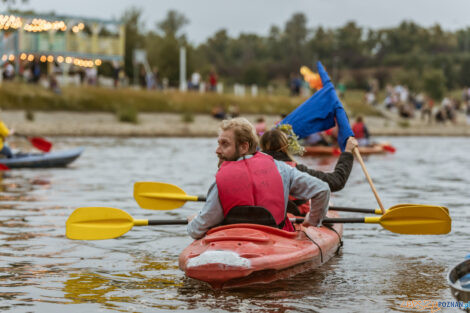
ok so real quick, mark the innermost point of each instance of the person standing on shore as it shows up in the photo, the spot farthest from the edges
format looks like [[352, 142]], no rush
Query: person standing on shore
[[254, 181], [213, 80]]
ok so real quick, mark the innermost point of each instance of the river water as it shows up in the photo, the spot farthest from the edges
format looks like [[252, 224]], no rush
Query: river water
[[42, 271]]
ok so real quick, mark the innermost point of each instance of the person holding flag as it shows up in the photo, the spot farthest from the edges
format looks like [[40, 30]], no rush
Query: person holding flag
[[321, 112]]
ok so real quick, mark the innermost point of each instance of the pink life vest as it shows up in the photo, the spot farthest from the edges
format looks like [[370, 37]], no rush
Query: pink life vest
[[255, 182], [305, 207]]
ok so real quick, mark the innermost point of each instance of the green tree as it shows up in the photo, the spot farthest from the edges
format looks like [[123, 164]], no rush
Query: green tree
[[322, 45], [294, 41], [350, 46], [172, 24], [434, 83], [464, 73], [134, 38], [163, 46]]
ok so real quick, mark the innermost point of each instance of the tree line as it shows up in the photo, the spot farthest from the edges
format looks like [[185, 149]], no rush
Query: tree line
[[404, 54]]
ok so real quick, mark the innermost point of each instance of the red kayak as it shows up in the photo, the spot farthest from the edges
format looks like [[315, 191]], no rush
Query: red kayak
[[237, 255], [329, 151]]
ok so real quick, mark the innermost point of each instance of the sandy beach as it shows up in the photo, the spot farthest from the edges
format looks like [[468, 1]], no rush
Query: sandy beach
[[169, 124]]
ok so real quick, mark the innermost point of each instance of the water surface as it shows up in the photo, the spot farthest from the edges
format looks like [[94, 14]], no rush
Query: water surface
[[376, 271]]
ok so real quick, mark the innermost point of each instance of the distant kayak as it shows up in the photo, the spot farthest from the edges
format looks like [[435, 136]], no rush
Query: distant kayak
[[381, 148], [39, 160], [238, 255]]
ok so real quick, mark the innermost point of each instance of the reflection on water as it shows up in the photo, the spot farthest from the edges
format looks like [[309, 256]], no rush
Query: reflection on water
[[41, 270]]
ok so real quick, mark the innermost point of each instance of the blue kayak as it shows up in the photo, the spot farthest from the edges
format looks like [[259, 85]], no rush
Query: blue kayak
[[51, 159]]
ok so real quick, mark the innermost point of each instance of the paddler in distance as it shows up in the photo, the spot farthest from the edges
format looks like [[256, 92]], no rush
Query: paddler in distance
[[254, 180], [4, 148]]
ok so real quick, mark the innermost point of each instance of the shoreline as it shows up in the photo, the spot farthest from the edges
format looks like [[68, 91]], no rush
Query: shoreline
[[93, 124]]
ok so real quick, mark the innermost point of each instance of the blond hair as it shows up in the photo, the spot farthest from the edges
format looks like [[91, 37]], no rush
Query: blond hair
[[243, 131]]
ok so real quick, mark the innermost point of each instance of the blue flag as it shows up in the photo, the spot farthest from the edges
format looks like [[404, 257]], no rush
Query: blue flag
[[318, 113]]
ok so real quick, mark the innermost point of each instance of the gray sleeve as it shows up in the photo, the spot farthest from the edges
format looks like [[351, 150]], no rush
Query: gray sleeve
[[303, 186], [210, 215]]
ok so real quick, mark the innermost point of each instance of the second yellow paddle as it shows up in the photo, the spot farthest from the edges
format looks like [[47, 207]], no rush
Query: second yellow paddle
[[161, 196], [164, 196]]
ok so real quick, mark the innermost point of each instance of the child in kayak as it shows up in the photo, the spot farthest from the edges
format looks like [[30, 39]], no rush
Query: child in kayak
[[250, 181], [276, 144]]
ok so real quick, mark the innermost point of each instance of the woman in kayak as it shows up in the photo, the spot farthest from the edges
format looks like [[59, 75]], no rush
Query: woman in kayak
[[276, 144]]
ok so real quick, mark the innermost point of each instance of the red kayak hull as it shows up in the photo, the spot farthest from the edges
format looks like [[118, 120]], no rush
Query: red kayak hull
[[237, 255], [329, 151]]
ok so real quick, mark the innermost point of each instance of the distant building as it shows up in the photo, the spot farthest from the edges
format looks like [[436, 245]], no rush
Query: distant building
[[60, 40]]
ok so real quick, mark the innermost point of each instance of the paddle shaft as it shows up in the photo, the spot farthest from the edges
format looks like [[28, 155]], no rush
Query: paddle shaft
[[359, 158], [356, 210], [38, 142], [167, 222], [293, 220], [97, 223]]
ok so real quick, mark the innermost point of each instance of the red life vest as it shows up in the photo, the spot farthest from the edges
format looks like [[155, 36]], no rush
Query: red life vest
[[305, 207], [255, 182], [358, 130]]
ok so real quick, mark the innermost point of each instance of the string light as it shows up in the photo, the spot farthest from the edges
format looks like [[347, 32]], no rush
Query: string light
[[10, 21], [40, 25], [36, 25]]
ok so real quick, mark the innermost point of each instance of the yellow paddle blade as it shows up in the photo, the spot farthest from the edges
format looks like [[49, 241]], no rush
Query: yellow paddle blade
[[415, 220], [160, 196], [94, 223], [420, 205]]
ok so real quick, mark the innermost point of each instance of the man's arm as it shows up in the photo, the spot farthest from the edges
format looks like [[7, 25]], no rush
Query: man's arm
[[337, 179], [303, 186], [210, 215]]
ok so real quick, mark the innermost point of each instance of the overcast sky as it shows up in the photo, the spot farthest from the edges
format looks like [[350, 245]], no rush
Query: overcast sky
[[257, 16]]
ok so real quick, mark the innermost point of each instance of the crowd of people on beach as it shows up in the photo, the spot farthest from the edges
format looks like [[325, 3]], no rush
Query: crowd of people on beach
[[408, 104]]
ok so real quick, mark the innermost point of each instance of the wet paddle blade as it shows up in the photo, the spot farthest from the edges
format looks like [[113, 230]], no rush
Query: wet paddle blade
[[404, 205], [95, 223], [416, 220], [160, 196], [40, 143]]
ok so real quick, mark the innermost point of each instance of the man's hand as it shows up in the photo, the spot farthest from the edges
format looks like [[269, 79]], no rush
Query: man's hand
[[351, 144], [191, 217], [306, 218]]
